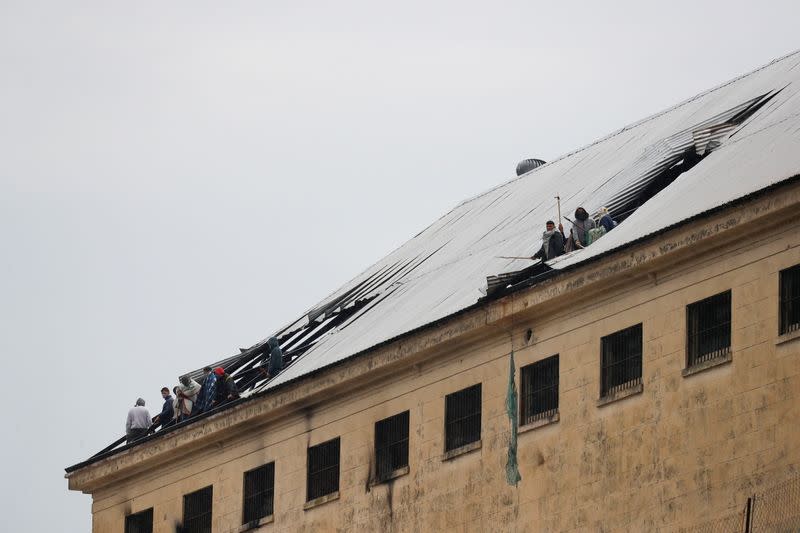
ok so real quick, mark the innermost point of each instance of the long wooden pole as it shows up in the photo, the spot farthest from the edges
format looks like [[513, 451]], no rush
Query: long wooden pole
[[558, 200]]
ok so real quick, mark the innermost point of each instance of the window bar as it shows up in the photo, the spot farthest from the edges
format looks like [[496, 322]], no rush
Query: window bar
[[790, 300], [622, 360], [259, 493], [197, 511], [463, 417], [391, 445], [709, 328], [323, 469], [540, 390]]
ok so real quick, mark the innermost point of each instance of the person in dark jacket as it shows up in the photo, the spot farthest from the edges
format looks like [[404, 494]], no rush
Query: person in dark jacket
[[167, 414], [226, 387], [275, 357], [552, 243], [580, 230]]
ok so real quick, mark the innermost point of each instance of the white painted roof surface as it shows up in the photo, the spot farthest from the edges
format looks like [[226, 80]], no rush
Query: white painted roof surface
[[441, 270]]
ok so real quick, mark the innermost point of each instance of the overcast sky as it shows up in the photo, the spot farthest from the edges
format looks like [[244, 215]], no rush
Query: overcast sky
[[179, 179]]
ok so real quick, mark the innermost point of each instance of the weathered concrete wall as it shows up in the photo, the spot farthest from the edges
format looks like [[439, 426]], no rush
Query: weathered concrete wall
[[684, 450]]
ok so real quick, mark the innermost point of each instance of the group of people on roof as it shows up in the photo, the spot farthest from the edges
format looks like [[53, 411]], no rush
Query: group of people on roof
[[192, 398], [585, 230]]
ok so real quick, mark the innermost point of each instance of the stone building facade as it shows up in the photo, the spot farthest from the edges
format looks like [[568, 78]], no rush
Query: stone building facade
[[701, 427]]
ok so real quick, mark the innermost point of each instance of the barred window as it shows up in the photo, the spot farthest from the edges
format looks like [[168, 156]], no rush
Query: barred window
[[708, 329], [621, 366], [141, 522], [790, 300], [259, 493], [462, 417], [391, 445], [197, 511], [323, 469], [539, 383]]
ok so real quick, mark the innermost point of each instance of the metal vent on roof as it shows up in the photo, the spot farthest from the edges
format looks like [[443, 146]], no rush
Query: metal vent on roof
[[526, 165]]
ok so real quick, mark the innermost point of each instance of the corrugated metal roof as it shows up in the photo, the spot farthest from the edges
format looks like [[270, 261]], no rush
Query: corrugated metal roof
[[741, 137], [443, 269]]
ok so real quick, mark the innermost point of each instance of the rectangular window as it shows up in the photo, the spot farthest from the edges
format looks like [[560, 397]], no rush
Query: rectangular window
[[259, 493], [323, 469], [621, 365], [141, 522], [197, 511], [462, 417], [790, 300], [539, 383], [708, 329], [391, 445]]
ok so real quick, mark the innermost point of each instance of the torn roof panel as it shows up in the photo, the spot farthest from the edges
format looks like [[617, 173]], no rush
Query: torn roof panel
[[442, 269]]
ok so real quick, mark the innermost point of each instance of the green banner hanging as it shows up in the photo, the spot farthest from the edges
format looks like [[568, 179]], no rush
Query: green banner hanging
[[512, 466]]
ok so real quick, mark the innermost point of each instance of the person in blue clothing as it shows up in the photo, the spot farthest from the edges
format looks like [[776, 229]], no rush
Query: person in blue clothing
[[606, 221], [274, 359], [167, 415], [208, 392]]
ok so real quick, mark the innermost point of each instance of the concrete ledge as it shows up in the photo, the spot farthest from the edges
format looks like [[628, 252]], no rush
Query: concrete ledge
[[257, 523], [705, 365], [552, 419], [397, 473], [787, 337], [619, 395], [461, 450], [322, 499]]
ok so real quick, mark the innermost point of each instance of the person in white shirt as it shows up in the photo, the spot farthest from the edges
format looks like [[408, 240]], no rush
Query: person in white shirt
[[138, 422]]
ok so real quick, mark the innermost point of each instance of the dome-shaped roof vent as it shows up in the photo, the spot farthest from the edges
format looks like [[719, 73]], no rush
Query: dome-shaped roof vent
[[526, 165]]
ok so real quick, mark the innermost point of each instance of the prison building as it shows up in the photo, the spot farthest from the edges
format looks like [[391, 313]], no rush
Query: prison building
[[648, 382]]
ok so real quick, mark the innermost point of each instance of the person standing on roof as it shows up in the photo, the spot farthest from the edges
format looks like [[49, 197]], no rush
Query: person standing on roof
[[165, 417], [552, 242], [274, 364], [176, 405], [138, 422], [186, 396], [226, 387], [580, 229], [275, 357], [207, 392]]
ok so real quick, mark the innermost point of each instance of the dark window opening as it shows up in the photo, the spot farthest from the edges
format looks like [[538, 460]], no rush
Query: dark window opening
[[197, 511], [539, 383], [462, 417], [790, 300], [391, 445], [708, 329], [141, 522], [323, 469], [621, 366], [259, 493]]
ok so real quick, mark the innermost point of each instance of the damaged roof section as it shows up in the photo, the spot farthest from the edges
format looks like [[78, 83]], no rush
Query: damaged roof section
[[723, 144], [707, 151], [659, 165]]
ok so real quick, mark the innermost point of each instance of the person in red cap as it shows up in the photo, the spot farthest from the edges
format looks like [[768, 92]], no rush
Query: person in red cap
[[226, 387]]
